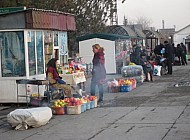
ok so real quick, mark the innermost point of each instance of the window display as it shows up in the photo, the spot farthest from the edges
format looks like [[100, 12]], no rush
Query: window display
[[39, 47], [48, 46], [12, 54], [31, 53]]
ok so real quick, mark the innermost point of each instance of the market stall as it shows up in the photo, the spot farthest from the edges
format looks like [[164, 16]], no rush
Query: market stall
[[28, 40], [74, 78], [113, 44]]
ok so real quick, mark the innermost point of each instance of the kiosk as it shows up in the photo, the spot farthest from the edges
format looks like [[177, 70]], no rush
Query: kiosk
[[28, 40]]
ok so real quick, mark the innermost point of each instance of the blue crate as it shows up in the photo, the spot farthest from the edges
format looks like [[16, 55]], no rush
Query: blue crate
[[92, 103], [83, 106], [125, 88], [87, 105]]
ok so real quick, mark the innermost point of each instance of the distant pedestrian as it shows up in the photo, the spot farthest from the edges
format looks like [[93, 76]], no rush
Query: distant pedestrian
[[98, 71], [179, 51], [184, 53], [169, 55]]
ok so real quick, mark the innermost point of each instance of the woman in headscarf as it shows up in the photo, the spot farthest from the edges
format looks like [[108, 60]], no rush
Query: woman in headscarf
[[55, 81]]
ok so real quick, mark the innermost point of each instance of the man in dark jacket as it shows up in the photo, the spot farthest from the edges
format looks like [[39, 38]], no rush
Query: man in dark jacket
[[169, 56]]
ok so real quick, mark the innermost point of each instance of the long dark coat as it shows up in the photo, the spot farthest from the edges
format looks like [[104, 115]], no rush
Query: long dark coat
[[98, 70]]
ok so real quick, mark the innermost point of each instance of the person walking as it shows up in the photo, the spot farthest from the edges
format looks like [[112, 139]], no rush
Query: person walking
[[179, 54], [174, 53], [184, 53], [169, 56], [98, 71]]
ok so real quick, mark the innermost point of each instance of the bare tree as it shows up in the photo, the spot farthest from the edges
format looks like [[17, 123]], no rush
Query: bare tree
[[144, 21]]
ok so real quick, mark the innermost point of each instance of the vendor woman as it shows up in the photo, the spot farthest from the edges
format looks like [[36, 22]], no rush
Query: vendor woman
[[54, 79]]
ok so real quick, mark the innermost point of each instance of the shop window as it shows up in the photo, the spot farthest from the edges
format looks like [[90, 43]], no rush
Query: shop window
[[48, 45], [31, 53], [39, 47], [55, 38], [12, 54]]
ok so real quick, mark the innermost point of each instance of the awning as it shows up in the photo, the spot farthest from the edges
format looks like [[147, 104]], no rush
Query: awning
[[111, 37]]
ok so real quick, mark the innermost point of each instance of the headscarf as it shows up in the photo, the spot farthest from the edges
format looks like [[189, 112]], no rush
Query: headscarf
[[51, 67]]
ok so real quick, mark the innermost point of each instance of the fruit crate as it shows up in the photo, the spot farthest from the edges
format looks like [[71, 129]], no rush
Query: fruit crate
[[87, 105], [92, 104], [114, 89], [126, 88], [83, 107], [58, 110], [96, 103], [74, 110], [134, 84]]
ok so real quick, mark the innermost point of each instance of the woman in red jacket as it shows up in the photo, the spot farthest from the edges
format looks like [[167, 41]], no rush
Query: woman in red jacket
[[98, 71]]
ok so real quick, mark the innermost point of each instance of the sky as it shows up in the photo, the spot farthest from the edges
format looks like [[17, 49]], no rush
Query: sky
[[175, 13]]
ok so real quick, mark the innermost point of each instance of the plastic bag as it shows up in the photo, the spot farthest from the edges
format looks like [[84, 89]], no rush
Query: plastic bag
[[131, 71], [157, 70]]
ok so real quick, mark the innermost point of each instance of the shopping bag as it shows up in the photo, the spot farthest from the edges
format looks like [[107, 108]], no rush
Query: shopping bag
[[157, 70]]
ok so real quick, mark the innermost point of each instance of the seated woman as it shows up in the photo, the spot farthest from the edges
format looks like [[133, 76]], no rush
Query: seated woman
[[54, 79]]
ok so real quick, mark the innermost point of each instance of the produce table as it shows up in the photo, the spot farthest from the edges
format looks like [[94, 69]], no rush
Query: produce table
[[74, 79]]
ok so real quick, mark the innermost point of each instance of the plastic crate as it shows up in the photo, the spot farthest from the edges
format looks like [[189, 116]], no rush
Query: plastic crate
[[92, 104], [58, 110], [87, 105], [126, 88], [74, 110], [83, 107], [114, 89], [96, 103]]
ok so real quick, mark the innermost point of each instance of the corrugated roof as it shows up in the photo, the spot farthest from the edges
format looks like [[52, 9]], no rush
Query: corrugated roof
[[40, 19], [111, 37], [35, 9]]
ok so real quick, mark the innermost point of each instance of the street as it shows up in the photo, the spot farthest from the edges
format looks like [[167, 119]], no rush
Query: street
[[156, 110]]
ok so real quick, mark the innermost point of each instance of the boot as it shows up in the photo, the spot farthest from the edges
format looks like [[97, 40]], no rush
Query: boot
[[151, 77], [146, 79]]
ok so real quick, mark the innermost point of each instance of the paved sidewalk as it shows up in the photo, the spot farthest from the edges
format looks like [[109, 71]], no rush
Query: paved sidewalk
[[153, 111]]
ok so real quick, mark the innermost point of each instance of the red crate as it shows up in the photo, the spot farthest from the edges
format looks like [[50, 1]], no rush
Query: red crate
[[58, 110], [114, 89]]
